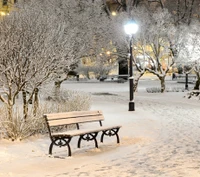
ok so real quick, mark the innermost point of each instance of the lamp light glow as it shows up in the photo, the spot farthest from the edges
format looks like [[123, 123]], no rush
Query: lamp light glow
[[114, 13], [2, 13], [108, 52], [131, 28]]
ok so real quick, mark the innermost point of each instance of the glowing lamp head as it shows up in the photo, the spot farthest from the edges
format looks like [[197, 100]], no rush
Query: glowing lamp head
[[131, 28]]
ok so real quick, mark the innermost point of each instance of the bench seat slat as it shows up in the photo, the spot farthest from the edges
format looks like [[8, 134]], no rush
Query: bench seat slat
[[72, 114], [72, 133], [75, 120]]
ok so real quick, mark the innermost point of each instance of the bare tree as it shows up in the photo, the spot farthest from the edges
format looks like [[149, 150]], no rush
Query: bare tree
[[128, 5], [35, 46], [158, 45], [189, 49], [183, 11], [92, 26], [24, 55], [154, 49], [100, 61], [104, 64], [42, 41]]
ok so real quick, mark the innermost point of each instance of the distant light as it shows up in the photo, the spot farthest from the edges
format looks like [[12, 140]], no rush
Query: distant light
[[108, 52], [114, 13], [131, 28], [2, 13], [100, 54]]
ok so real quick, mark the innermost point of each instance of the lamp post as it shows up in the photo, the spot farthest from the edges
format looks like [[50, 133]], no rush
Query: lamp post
[[131, 28], [186, 81]]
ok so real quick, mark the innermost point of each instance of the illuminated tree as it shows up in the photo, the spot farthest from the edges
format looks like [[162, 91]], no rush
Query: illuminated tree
[[154, 44], [189, 49], [40, 42]]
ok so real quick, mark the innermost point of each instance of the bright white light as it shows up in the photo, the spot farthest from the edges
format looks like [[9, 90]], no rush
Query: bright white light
[[114, 13], [108, 52], [2, 13], [131, 28]]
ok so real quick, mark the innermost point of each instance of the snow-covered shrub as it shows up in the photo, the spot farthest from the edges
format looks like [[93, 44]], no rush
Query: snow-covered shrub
[[70, 100], [18, 128], [153, 90], [175, 89], [170, 89]]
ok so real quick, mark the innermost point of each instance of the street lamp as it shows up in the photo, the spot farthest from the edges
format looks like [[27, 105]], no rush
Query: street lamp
[[186, 81], [131, 28]]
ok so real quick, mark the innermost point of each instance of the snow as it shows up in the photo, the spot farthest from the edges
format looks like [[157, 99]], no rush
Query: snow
[[159, 139]]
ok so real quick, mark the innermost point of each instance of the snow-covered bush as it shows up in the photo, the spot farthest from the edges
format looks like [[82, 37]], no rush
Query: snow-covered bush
[[70, 100], [18, 128], [175, 89], [153, 90], [170, 89]]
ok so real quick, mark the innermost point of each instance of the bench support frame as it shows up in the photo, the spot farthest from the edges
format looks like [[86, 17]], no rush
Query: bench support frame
[[60, 141], [110, 132], [88, 137]]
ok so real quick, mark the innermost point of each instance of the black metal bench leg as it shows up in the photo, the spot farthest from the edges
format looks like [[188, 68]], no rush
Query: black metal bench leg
[[50, 148], [69, 150], [111, 132], [88, 137], [61, 142], [117, 138], [79, 140], [96, 144], [102, 135]]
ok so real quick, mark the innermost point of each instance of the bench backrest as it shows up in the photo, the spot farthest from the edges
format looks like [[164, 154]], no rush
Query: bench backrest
[[75, 117]]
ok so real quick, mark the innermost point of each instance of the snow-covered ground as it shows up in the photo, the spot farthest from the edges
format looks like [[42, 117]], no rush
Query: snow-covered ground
[[161, 138]]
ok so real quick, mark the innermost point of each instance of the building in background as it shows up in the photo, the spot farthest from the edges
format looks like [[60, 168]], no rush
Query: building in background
[[6, 6]]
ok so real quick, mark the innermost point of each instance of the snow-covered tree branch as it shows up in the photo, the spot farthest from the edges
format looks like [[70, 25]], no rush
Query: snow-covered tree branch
[[153, 44], [188, 48], [41, 40]]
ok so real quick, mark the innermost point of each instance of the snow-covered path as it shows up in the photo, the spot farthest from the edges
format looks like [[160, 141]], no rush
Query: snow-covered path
[[159, 139]]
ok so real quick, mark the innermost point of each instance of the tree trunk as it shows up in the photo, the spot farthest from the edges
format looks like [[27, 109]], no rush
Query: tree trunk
[[88, 74], [10, 127], [10, 112], [36, 101], [56, 91], [197, 83], [136, 81], [162, 83], [25, 105]]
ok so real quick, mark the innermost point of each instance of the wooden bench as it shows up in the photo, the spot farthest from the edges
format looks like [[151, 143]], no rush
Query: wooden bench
[[118, 78], [181, 78], [63, 138]]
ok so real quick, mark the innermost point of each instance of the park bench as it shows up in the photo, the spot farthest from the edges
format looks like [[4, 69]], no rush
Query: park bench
[[181, 78], [118, 78], [78, 118]]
